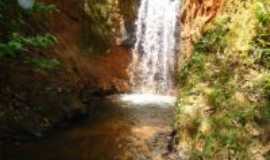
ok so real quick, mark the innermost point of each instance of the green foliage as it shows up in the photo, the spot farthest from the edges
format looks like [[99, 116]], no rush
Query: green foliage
[[264, 107], [227, 82], [217, 98], [18, 36], [265, 85], [99, 24], [213, 40], [10, 49], [43, 8], [19, 43], [261, 44], [196, 63], [39, 41], [44, 64], [265, 112], [263, 12]]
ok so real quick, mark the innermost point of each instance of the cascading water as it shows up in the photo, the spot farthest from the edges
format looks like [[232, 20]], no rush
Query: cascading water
[[154, 51]]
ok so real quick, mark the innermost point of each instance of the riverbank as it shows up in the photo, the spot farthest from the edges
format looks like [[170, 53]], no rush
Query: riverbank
[[223, 105]]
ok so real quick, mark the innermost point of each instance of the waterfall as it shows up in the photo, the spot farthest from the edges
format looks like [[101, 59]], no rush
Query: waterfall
[[154, 53]]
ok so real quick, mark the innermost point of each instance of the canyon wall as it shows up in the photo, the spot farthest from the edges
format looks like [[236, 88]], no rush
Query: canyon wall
[[93, 42]]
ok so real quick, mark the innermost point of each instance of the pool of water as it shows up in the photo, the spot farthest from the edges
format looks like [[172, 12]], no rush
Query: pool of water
[[120, 128]]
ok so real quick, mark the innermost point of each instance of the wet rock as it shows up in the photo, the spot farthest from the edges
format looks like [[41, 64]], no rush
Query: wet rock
[[129, 36]]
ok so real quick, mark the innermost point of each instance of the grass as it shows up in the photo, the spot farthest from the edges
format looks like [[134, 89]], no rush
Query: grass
[[224, 102]]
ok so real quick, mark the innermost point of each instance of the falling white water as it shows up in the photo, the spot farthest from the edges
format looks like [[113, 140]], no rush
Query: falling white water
[[154, 52]]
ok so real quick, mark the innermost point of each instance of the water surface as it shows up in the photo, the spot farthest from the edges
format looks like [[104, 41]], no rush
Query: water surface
[[116, 130]]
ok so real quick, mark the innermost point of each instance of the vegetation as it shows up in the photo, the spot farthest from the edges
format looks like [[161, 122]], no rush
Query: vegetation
[[100, 23], [223, 109], [18, 37]]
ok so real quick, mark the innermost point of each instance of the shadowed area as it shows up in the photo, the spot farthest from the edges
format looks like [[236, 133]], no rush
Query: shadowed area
[[116, 131]]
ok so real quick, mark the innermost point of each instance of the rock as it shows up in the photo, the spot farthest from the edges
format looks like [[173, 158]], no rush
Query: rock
[[121, 85], [75, 108]]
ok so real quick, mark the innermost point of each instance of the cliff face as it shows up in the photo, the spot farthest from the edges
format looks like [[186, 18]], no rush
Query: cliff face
[[90, 42]]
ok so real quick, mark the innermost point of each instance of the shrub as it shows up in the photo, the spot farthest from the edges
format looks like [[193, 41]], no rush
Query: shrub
[[18, 36], [261, 45], [214, 39], [230, 59], [44, 64], [196, 64]]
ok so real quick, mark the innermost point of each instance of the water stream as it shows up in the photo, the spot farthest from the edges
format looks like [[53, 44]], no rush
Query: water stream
[[116, 130]]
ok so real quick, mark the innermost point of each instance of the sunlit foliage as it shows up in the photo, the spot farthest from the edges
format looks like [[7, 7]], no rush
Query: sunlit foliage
[[225, 86]]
